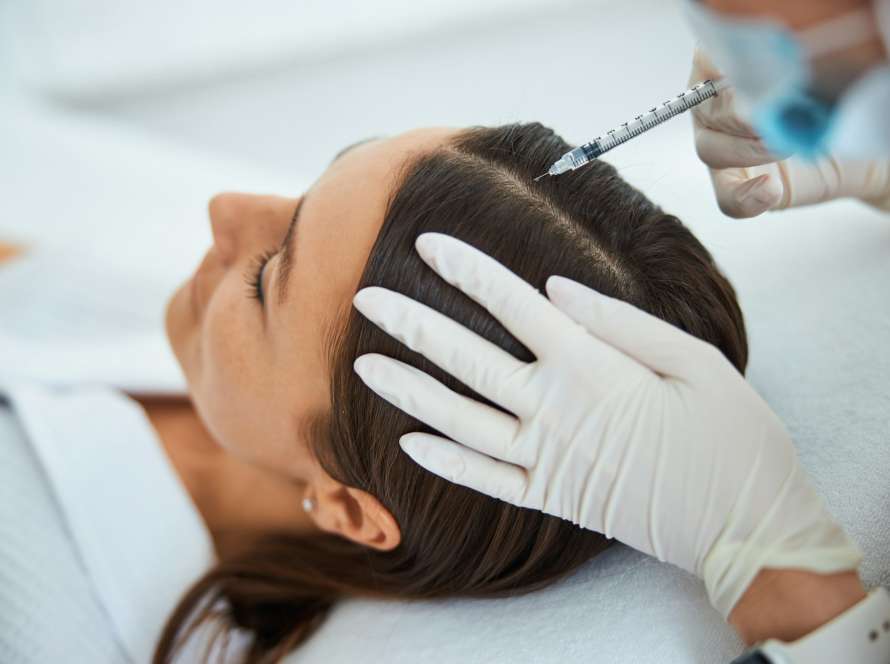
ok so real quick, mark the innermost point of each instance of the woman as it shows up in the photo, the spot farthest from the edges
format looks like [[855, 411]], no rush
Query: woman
[[293, 464], [271, 374]]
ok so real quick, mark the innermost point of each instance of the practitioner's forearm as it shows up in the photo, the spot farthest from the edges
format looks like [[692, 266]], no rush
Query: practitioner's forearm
[[788, 604]]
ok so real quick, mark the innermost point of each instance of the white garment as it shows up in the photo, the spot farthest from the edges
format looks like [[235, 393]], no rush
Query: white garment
[[49, 611], [139, 536], [124, 521]]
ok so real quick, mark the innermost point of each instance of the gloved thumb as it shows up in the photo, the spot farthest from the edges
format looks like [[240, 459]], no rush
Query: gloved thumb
[[743, 197]]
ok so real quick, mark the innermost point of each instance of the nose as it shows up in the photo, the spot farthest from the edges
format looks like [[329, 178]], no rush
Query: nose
[[245, 224], [226, 224]]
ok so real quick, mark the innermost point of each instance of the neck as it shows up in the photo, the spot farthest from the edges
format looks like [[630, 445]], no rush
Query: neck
[[238, 502]]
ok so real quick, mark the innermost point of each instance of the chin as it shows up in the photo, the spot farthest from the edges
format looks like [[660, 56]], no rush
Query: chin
[[176, 322]]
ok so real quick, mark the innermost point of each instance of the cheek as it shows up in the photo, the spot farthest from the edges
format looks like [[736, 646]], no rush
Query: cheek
[[237, 397], [246, 395], [180, 326], [228, 386]]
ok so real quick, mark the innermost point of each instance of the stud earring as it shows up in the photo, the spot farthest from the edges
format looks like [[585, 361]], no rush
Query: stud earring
[[308, 504]]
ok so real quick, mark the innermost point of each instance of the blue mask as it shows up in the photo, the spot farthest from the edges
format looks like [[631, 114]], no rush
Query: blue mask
[[769, 66]]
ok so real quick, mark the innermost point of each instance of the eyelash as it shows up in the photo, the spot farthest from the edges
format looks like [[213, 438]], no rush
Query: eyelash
[[254, 276]]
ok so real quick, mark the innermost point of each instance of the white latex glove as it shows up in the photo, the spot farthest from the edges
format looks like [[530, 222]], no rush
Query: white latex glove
[[624, 425], [748, 180]]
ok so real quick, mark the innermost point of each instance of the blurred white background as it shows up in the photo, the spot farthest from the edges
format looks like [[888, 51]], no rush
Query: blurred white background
[[136, 112], [285, 84]]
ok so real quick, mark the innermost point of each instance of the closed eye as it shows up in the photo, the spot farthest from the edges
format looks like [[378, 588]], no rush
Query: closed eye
[[254, 276]]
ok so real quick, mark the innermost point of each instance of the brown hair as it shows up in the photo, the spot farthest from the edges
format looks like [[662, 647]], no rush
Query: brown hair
[[590, 226]]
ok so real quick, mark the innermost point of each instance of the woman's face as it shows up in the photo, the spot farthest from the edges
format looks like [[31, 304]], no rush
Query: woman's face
[[250, 327]]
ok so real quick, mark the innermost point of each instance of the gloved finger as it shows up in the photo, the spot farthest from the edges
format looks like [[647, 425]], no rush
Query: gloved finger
[[741, 196], [723, 138], [654, 343], [467, 467], [867, 180], [474, 361], [807, 182], [795, 182], [519, 307], [474, 424], [719, 149]]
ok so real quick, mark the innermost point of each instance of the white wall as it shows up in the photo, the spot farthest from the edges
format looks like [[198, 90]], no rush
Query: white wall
[[89, 49]]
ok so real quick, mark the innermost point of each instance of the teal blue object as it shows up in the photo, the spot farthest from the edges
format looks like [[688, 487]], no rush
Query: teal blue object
[[794, 124]]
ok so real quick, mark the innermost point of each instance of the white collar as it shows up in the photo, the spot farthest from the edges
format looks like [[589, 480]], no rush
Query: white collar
[[139, 535]]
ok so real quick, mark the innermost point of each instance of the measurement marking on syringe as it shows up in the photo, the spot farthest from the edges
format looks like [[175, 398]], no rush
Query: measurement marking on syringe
[[624, 132]]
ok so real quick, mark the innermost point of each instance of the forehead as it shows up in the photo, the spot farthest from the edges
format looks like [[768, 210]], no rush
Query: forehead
[[340, 218], [370, 170], [343, 211]]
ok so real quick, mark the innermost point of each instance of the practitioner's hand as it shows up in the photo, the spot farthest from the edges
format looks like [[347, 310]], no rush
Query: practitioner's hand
[[624, 425], [748, 180]]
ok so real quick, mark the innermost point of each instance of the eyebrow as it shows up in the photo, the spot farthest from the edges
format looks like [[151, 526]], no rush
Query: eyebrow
[[289, 241], [351, 147], [287, 254]]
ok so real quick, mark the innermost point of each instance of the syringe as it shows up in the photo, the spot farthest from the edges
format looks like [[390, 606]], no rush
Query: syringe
[[694, 96]]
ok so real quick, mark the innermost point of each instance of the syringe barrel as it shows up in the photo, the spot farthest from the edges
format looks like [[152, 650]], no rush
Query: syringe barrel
[[652, 118], [592, 150], [655, 116]]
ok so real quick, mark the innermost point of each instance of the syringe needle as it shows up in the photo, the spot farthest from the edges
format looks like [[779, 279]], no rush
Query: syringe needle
[[542, 175]]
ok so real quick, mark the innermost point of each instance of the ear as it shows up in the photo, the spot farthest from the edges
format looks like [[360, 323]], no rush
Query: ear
[[353, 514]]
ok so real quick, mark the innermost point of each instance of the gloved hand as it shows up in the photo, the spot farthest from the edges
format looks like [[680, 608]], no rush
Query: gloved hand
[[748, 180], [624, 425]]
